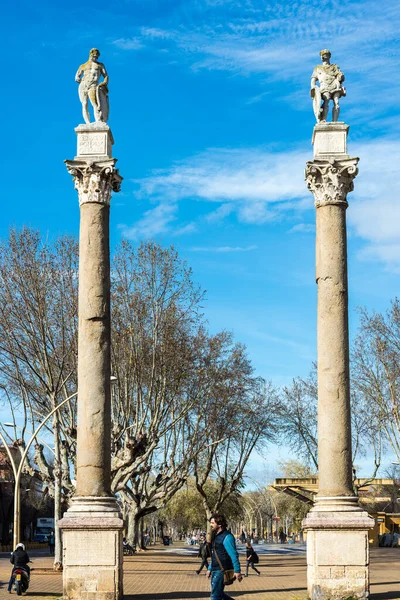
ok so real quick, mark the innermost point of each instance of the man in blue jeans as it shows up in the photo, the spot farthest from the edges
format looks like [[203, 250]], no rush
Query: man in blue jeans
[[223, 545]]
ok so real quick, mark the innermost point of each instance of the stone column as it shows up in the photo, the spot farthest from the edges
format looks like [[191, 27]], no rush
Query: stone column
[[337, 527], [94, 520]]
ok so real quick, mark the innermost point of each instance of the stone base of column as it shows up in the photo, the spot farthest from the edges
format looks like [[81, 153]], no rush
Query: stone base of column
[[337, 549], [92, 548]]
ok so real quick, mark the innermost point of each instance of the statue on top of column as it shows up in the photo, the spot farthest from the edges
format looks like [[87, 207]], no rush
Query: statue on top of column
[[330, 79], [88, 76]]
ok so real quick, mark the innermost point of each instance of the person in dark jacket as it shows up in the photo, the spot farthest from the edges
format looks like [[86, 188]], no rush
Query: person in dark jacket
[[19, 558], [51, 542], [251, 558], [223, 550], [204, 553]]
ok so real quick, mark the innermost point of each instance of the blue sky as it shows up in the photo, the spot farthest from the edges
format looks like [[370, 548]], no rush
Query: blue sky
[[212, 120]]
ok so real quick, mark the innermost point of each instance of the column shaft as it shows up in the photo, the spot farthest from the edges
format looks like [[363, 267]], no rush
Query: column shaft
[[93, 520], [94, 429], [337, 527], [334, 419]]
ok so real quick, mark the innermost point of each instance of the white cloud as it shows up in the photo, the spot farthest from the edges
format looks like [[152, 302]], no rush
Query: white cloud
[[388, 254], [255, 212], [189, 228], [302, 228], [154, 221], [254, 37], [374, 207], [245, 180], [128, 43], [258, 184], [223, 249], [220, 213], [258, 98], [156, 33]]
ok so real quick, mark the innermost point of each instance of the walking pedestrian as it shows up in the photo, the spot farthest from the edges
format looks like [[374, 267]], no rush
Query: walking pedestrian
[[224, 558], [51, 542], [251, 558], [204, 553]]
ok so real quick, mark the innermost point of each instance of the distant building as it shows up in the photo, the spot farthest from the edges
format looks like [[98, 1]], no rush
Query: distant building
[[6, 493], [379, 497]]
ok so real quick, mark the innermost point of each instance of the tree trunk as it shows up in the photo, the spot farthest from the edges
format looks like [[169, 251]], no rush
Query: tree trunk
[[132, 535], [140, 526], [154, 534], [209, 530], [161, 524]]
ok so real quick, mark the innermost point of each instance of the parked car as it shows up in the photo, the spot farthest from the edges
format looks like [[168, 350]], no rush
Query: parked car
[[41, 538]]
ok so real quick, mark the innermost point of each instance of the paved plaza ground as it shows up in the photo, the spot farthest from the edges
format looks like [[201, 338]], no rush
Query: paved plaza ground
[[169, 574]]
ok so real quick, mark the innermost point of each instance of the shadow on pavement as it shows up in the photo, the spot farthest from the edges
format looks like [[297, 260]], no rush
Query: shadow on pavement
[[386, 596], [190, 595], [51, 595], [168, 596]]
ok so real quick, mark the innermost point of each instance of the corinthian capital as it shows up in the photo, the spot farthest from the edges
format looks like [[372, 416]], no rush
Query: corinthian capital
[[95, 181], [331, 181]]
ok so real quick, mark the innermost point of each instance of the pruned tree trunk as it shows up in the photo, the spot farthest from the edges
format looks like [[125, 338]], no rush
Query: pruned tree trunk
[[208, 515], [140, 525], [154, 534], [132, 535]]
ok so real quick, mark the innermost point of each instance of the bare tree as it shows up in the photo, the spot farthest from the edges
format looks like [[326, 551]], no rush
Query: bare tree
[[376, 366], [156, 322], [298, 418], [298, 421], [238, 414], [180, 393], [38, 291]]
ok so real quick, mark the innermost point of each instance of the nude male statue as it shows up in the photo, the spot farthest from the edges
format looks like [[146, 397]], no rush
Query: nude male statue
[[330, 79], [88, 76]]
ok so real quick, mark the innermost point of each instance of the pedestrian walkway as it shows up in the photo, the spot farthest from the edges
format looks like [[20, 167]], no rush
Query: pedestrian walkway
[[292, 549], [159, 574]]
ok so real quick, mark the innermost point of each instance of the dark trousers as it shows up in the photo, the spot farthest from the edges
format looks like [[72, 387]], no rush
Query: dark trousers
[[250, 564], [204, 563]]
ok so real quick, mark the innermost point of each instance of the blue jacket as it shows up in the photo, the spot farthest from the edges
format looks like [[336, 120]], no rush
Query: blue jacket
[[225, 545]]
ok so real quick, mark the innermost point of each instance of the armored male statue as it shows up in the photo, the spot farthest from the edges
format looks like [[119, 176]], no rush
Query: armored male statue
[[330, 79], [88, 77]]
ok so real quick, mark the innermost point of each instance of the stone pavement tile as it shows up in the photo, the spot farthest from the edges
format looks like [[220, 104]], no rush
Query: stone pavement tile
[[385, 574], [157, 575], [45, 583], [171, 577]]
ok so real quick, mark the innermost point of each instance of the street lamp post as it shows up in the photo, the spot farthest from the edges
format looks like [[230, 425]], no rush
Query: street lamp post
[[262, 489], [17, 470]]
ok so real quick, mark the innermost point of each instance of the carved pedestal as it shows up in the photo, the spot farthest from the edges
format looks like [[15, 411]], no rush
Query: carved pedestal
[[337, 549], [337, 528], [93, 552], [92, 527]]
